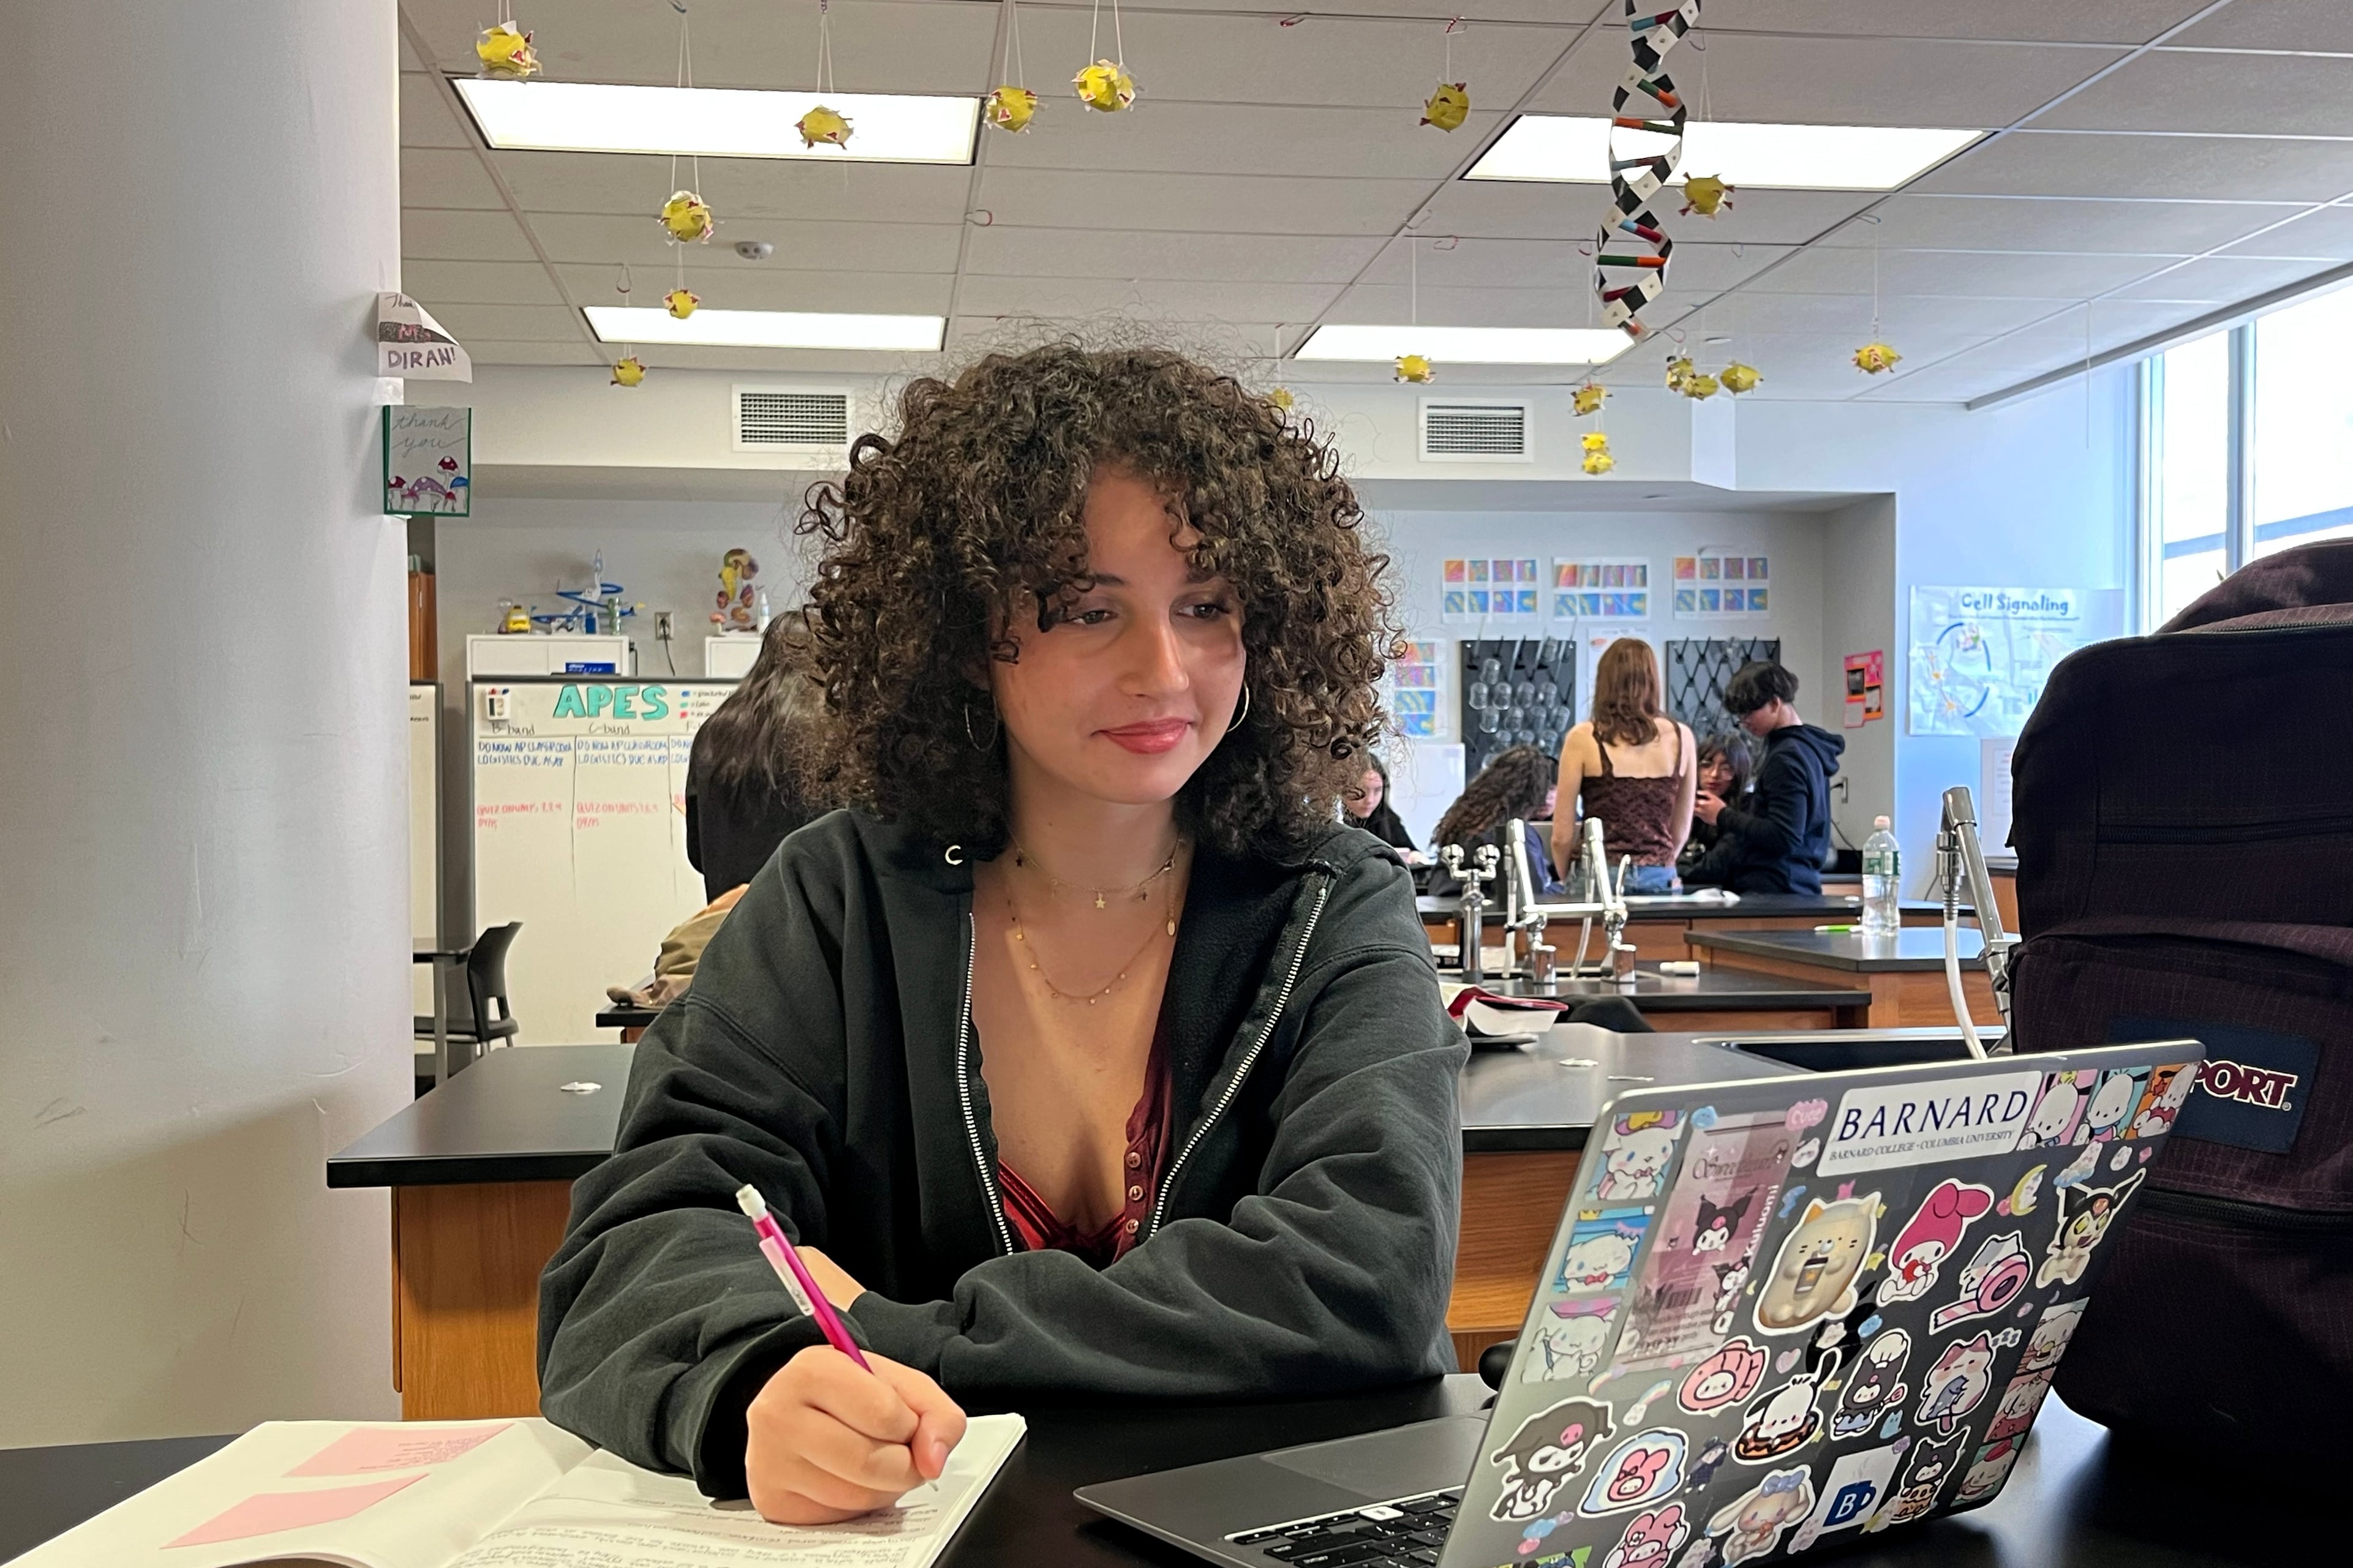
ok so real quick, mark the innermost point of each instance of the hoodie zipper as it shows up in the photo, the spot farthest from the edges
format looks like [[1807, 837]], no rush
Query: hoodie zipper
[[1234, 1084], [2242, 1212], [964, 1091]]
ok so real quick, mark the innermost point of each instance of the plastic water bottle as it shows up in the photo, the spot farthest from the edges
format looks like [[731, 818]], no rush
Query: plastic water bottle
[[1883, 881]]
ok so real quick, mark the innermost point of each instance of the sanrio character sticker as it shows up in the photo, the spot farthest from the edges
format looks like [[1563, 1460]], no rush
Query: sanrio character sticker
[[1876, 1383], [1751, 1524], [1549, 1448], [1635, 1154], [1643, 1469], [1726, 1377], [2168, 1090], [1650, 1539], [1989, 1281], [1991, 1469], [1602, 1249], [2084, 1215], [1569, 1342], [1931, 1467], [2119, 1090], [1958, 1383], [1929, 1237], [2021, 1400], [2058, 1111], [2051, 1331], [1785, 1419], [1814, 1275]]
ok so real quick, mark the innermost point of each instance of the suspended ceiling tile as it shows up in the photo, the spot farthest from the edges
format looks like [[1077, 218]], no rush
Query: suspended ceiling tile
[[479, 282], [447, 177], [506, 323], [779, 362], [879, 46], [2219, 168], [597, 239], [2263, 95], [2326, 234], [1516, 210], [2087, 21], [1700, 267], [1851, 314], [744, 286], [1998, 223], [1191, 203], [1838, 80], [1524, 14], [424, 120], [1267, 139], [1984, 273], [736, 188], [1382, 303], [1004, 249], [1142, 301], [498, 351], [431, 233], [2224, 279], [2274, 25]]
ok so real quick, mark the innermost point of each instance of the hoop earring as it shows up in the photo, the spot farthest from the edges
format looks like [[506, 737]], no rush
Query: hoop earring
[[1241, 714], [994, 725]]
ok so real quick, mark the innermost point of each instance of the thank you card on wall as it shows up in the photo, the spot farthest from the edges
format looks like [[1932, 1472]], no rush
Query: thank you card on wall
[[428, 458]]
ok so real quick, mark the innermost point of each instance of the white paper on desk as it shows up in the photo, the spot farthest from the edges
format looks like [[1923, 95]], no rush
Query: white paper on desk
[[607, 1513]]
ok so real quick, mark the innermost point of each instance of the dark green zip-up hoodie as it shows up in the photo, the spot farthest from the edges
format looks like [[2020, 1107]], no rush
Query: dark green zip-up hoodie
[[1301, 1240]]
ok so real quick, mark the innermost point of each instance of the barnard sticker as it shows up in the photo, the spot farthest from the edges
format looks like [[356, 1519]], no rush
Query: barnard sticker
[[1920, 1123], [2252, 1088]]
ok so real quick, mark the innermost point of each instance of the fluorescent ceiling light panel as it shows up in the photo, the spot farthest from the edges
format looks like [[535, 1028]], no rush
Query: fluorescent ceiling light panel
[[1561, 147], [769, 328], [716, 121], [1468, 345]]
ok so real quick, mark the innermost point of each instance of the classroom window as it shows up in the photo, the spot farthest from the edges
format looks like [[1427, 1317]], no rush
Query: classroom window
[[2301, 485], [2189, 503]]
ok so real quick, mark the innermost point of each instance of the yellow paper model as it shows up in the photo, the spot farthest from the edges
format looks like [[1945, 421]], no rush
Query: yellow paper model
[[1698, 385], [1873, 358], [505, 52], [1587, 399], [1739, 378], [1010, 108], [1280, 400], [1705, 195], [1598, 459], [1105, 86], [687, 217], [1447, 106], [1415, 368], [1679, 370], [681, 302], [628, 372], [822, 125]]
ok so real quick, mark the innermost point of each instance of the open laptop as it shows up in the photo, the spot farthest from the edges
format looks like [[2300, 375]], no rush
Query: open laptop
[[1775, 1313]]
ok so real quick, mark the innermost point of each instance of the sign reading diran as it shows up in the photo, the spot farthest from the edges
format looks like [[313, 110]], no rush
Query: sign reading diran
[[1880, 1126]]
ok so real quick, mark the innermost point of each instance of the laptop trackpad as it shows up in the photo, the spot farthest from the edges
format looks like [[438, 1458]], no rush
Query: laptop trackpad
[[1399, 1462]]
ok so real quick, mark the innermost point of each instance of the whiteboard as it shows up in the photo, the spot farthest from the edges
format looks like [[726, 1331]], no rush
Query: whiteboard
[[424, 832], [579, 832]]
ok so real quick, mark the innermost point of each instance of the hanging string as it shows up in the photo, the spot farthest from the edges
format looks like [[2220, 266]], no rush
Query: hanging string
[[1413, 297], [1016, 72], [1451, 24], [824, 47], [1118, 39]]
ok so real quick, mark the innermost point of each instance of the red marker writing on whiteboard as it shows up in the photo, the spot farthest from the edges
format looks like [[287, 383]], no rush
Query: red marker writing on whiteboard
[[779, 1251]]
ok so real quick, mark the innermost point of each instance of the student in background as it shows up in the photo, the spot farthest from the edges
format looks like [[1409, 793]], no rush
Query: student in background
[[1087, 1053], [1778, 842], [740, 796], [1727, 765], [1517, 781], [1369, 809], [1631, 767]]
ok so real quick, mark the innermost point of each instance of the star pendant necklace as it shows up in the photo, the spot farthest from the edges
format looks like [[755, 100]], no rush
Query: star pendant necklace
[[1142, 892]]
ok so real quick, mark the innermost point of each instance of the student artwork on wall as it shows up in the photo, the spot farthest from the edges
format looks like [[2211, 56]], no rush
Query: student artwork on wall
[[428, 456], [1980, 655], [1490, 588], [1713, 585], [1612, 587], [1866, 688], [1415, 681]]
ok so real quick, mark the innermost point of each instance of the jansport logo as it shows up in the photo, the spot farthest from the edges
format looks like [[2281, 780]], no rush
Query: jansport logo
[[2260, 1087]]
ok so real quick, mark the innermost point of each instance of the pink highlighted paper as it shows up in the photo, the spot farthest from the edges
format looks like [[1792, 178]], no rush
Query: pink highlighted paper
[[266, 1514], [373, 1448]]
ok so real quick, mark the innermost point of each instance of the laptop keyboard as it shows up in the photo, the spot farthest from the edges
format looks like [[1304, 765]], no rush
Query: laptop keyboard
[[1406, 1533]]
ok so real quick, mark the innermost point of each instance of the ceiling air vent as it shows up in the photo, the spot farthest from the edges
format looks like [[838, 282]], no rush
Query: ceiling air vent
[[808, 420], [1474, 432]]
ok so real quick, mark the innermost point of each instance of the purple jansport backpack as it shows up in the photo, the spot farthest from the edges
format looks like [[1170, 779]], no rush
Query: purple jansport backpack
[[2183, 819]]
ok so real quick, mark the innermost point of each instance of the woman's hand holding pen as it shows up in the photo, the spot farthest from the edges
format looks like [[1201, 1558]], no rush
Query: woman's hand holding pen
[[829, 1442]]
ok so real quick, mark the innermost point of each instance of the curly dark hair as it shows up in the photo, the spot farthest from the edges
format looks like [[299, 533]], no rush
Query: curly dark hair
[[1513, 783], [973, 511]]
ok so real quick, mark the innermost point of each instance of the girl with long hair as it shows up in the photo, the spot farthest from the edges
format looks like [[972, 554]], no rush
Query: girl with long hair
[[1517, 781], [1632, 768]]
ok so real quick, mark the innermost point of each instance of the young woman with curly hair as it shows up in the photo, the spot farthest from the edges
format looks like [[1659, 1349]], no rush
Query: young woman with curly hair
[[1517, 781], [1087, 1051]]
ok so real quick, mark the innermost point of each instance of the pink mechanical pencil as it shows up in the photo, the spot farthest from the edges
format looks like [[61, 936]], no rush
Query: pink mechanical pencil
[[789, 1269]]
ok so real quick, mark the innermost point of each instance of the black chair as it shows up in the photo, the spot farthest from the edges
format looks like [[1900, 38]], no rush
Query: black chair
[[488, 1017]]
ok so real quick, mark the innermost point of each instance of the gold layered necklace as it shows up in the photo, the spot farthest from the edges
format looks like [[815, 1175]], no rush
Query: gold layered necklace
[[1101, 896]]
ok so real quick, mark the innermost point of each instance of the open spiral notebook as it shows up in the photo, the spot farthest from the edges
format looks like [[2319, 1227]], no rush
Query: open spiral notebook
[[491, 1494]]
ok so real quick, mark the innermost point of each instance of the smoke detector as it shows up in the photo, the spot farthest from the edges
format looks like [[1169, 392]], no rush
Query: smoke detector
[[754, 249]]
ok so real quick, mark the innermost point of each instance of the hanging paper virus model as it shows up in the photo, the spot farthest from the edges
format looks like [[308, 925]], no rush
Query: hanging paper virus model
[[1679, 371], [823, 124], [1280, 400], [1698, 386], [1415, 368], [1739, 378], [1105, 85], [1598, 459], [688, 218], [681, 302], [1010, 108], [1874, 357], [1705, 195], [506, 53], [1631, 251], [1447, 106], [1587, 399], [627, 371]]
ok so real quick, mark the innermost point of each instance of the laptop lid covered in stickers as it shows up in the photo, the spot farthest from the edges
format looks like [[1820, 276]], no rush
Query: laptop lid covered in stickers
[[1795, 1311]]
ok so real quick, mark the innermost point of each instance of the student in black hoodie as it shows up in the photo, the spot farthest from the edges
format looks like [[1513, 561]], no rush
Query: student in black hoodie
[[1778, 842], [1087, 1053]]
